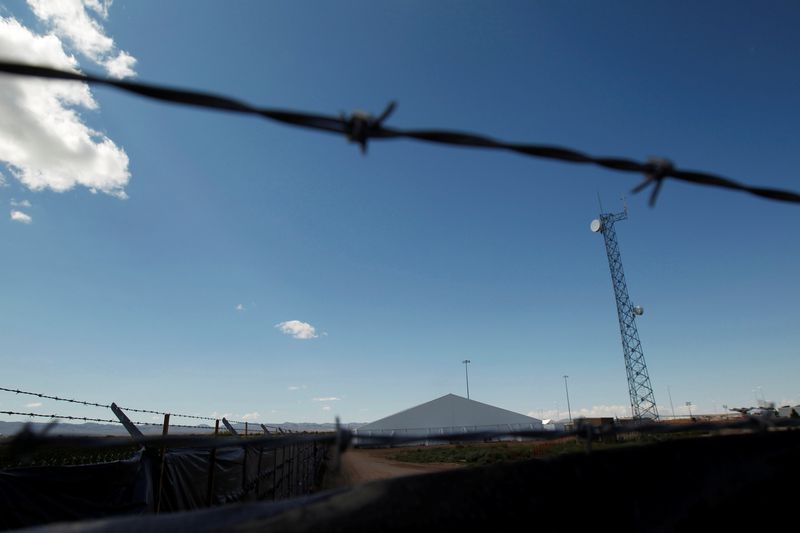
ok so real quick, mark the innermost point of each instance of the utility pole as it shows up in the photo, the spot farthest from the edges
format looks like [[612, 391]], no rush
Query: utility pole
[[689, 405], [569, 409], [670, 401], [466, 373]]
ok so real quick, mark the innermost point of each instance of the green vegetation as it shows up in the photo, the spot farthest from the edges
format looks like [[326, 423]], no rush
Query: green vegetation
[[499, 452], [63, 455]]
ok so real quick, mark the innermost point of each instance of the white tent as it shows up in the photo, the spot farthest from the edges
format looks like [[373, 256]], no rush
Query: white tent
[[551, 424], [449, 414]]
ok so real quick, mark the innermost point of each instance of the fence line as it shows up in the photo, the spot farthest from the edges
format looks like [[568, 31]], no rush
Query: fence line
[[56, 417], [108, 406], [275, 467], [28, 439], [585, 430], [361, 127], [57, 398], [289, 465]]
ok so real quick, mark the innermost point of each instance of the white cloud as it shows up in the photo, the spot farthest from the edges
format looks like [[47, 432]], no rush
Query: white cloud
[[326, 408], [33, 404], [239, 307], [23, 203], [121, 66], [296, 387], [603, 410], [3, 181], [71, 20], [620, 411], [251, 416], [19, 216], [297, 329], [99, 6], [327, 399], [42, 137]]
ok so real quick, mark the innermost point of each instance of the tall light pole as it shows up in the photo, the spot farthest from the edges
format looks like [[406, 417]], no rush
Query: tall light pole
[[670, 402], [466, 373], [689, 405], [569, 409]]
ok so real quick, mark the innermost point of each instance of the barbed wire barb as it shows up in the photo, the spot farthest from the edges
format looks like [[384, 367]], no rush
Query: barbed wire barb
[[360, 128]]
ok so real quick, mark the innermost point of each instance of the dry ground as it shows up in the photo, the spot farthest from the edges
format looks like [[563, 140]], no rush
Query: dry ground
[[363, 465]]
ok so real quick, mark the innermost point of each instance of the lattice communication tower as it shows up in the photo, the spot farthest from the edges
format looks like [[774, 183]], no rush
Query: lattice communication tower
[[643, 403]]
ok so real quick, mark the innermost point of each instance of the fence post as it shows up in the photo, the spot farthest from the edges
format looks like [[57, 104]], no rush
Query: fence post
[[132, 430], [245, 428], [244, 470], [258, 472], [229, 427], [274, 473], [164, 432], [283, 472], [211, 466], [338, 447], [292, 475], [266, 431]]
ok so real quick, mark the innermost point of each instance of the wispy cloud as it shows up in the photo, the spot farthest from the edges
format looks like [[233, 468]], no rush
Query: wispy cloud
[[19, 216], [23, 203], [583, 412], [327, 399], [251, 416], [43, 139], [297, 329], [33, 404], [296, 387], [240, 307], [326, 407], [79, 22]]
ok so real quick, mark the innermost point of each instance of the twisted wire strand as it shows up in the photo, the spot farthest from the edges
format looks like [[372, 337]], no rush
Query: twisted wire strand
[[360, 128], [107, 406], [103, 420]]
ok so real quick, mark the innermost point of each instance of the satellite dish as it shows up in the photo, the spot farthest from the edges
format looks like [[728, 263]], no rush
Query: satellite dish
[[596, 225], [638, 310]]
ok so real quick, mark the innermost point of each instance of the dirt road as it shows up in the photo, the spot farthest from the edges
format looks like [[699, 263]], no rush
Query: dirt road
[[362, 465]]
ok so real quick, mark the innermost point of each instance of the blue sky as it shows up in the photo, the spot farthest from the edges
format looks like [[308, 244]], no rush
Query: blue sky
[[414, 257]]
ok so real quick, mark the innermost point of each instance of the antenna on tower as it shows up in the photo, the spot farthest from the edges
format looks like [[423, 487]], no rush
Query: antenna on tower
[[643, 403], [625, 204]]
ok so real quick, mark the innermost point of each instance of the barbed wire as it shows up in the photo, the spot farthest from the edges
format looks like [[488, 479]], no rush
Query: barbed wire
[[178, 415], [361, 127], [27, 440], [104, 420], [57, 398], [346, 437], [65, 417], [108, 406]]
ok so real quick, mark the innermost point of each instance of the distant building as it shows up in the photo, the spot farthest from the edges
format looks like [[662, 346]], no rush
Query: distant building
[[788, 411], [551, 424], [595, 421], [448, 415]]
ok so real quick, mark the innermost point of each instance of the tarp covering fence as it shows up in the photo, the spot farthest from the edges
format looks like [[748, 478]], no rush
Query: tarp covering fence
[[193, 479]]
